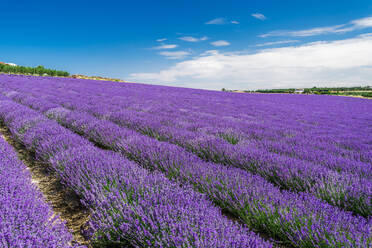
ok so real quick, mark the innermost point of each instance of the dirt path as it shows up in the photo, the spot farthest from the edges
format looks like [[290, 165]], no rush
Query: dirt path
[[64, 202]]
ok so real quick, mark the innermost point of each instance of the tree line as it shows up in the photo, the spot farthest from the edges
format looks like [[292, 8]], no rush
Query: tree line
[[39, 70], [364, 91]]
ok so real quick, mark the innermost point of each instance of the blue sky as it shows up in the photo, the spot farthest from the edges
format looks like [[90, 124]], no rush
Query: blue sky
[[200, 44]]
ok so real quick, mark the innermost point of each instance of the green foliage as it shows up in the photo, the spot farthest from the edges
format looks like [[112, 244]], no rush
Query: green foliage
[[358, 88], [39, 70], [349, 91], [364, 94], [276, 91]]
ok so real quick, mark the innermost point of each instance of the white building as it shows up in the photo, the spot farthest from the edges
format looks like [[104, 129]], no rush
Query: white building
[[299, 91]]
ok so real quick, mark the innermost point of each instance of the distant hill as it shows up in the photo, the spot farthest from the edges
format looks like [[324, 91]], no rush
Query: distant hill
[[96, 78]]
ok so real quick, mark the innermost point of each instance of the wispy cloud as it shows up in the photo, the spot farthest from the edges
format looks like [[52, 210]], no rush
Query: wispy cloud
[[166, 46], [338, 63], [221, 21], [309, 32], [336, 29], [217, 21], [161, 40], [281, 42], [363, 22], [175, 54], [259, 16], [219, 43], [193, 39]]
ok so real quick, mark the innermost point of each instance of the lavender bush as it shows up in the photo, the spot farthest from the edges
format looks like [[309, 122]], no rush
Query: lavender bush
[[347, 185], [25, 219], [284, 215], [129, 205]]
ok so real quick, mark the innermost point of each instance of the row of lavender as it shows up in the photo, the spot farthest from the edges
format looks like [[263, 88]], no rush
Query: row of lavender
[[281, 214], [291, 127], [128, 204], [25, 219], [194, 120], [236, 129], [253, 115], [349, 189]]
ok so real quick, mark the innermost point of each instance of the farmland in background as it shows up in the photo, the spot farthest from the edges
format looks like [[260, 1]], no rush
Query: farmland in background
[[365, 91]]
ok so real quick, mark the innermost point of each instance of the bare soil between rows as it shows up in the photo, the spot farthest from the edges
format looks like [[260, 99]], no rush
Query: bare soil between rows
[[64, 201]]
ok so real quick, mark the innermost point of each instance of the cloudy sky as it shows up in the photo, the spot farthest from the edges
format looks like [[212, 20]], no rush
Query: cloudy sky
[[200, 44]]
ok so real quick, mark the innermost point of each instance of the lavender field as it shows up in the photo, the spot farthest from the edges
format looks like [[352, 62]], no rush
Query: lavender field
[[160, 166]]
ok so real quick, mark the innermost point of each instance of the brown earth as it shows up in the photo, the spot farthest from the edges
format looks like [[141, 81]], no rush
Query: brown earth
[[96, 78], [64, 202]]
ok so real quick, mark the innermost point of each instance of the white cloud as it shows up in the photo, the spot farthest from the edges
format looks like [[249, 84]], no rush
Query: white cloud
[[259, 16], [175, 54], [335, 63], [219, 43], [166, 46], [365, 35], [363, 22], [277, 43], [217, 21], [222, 21], [309, 32], [342, 28], [189, 39], [161, 40], [193, 39]]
